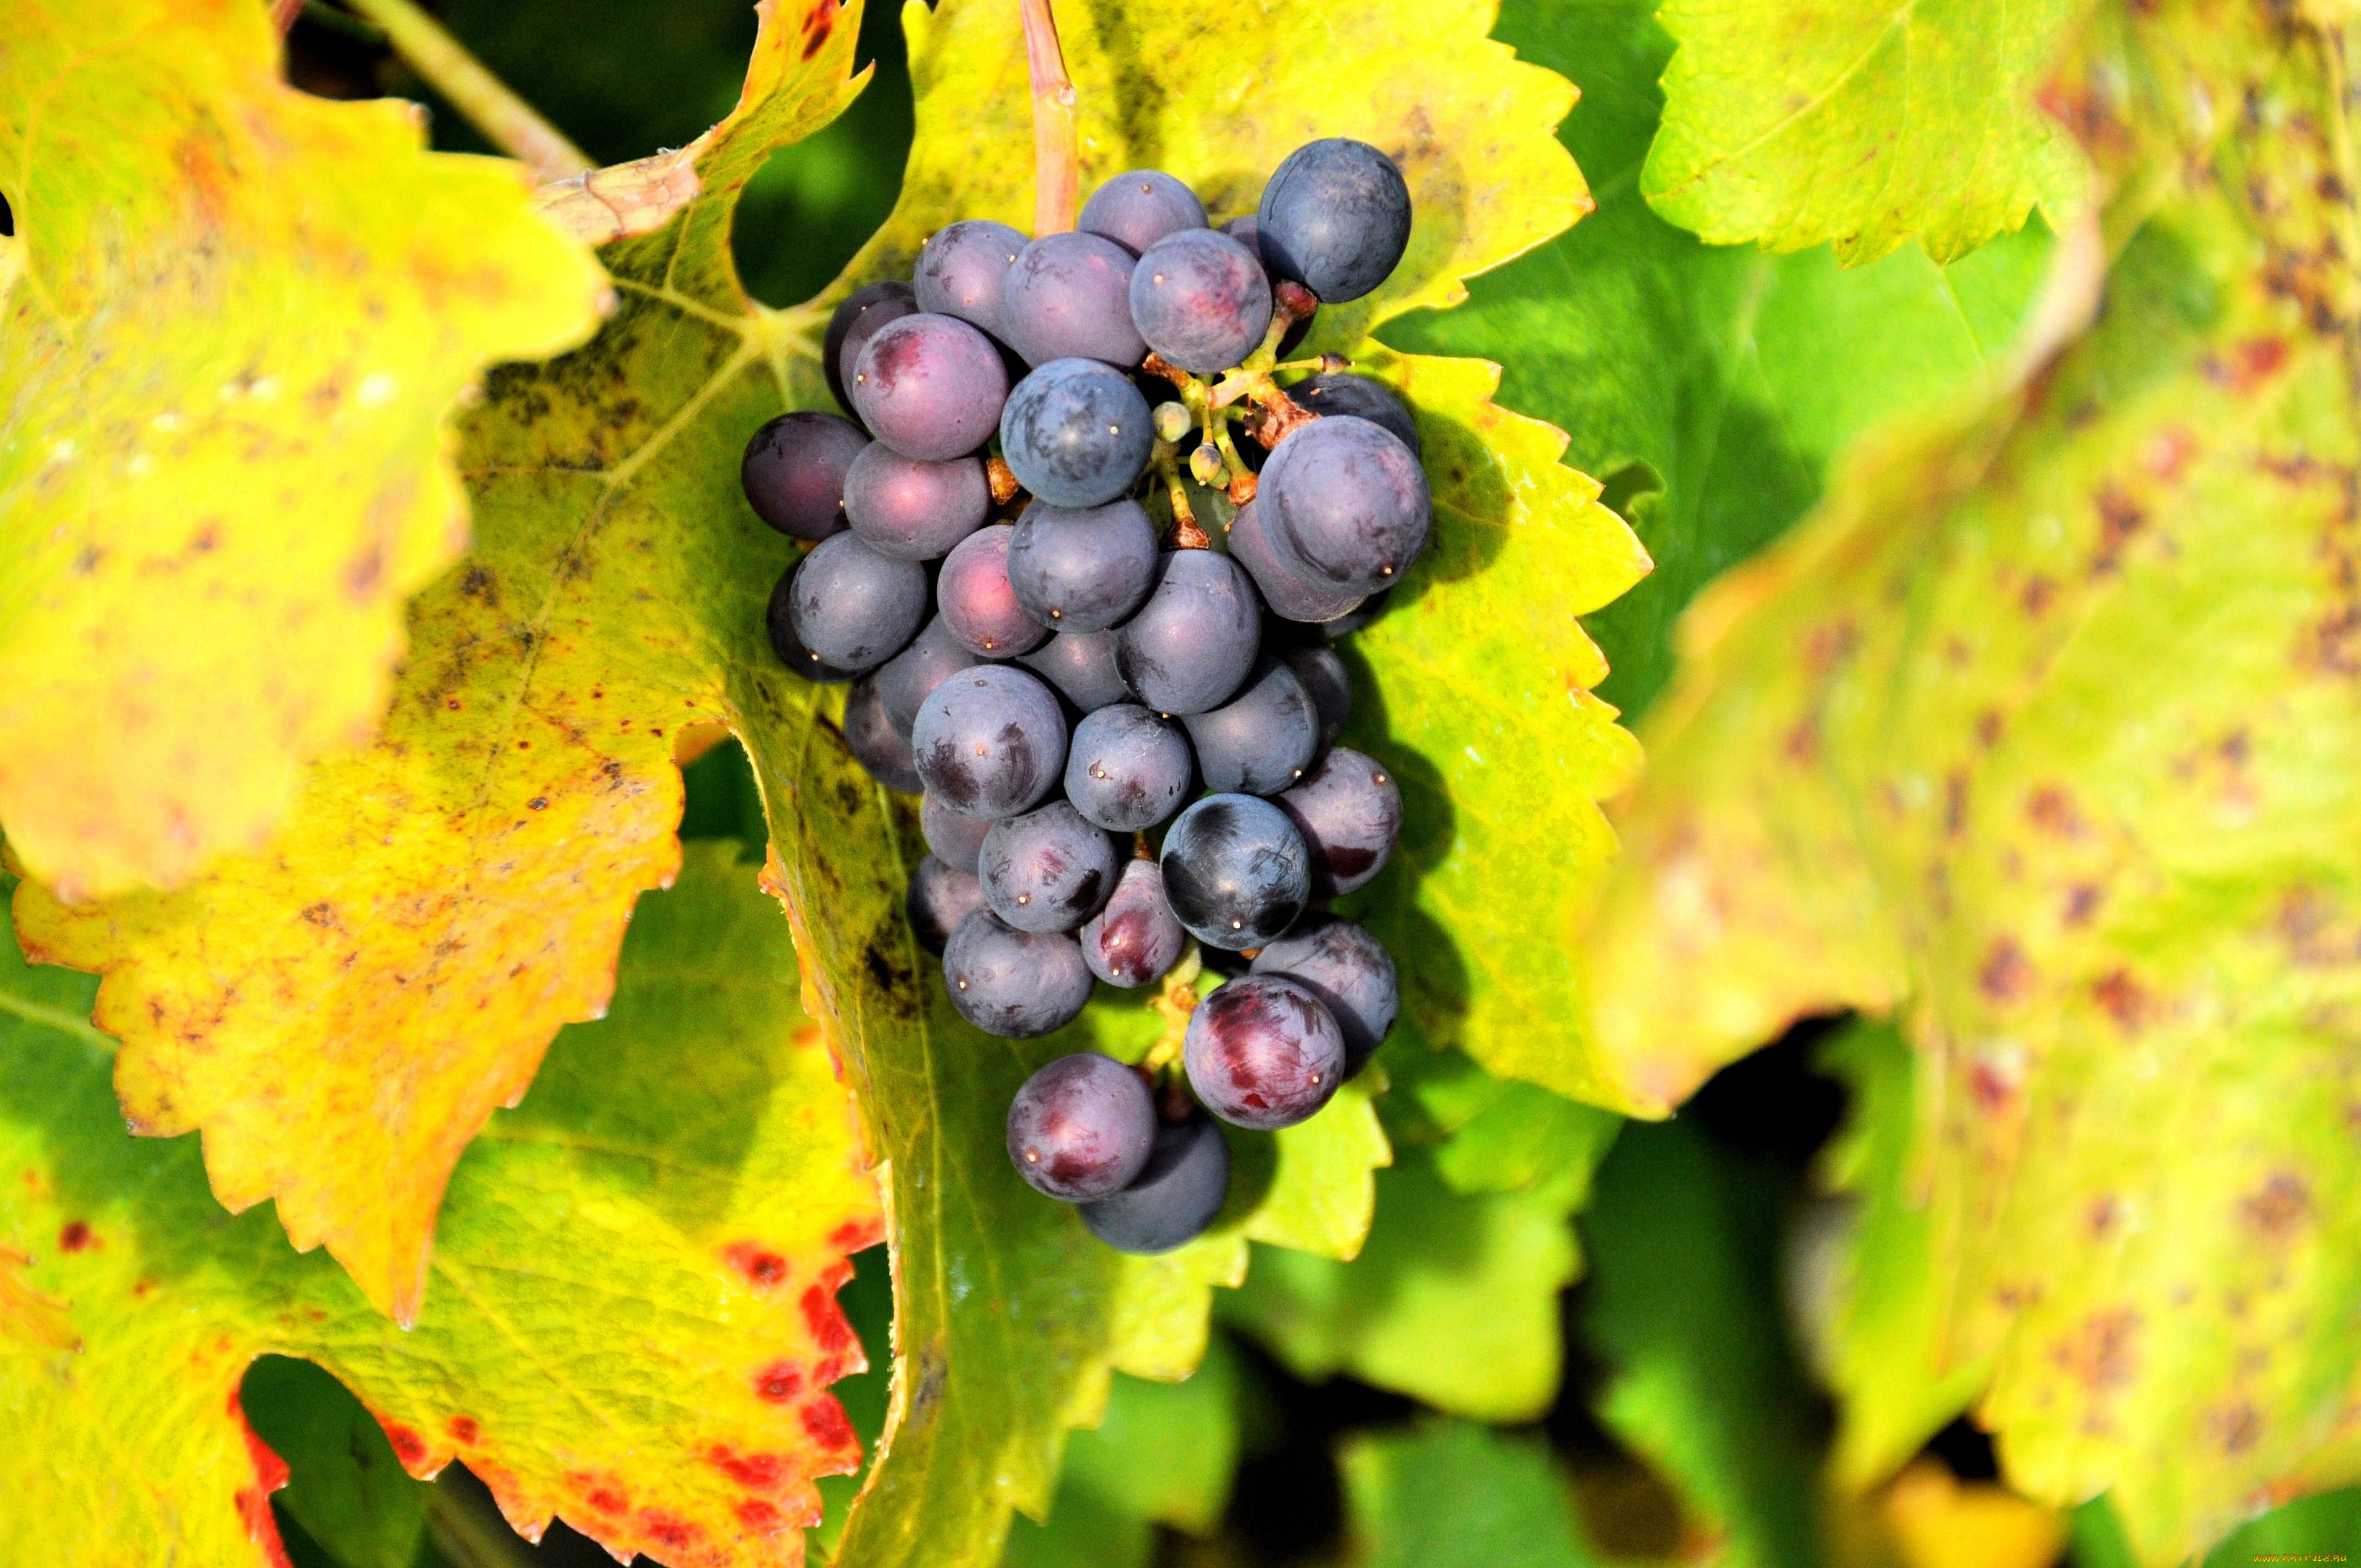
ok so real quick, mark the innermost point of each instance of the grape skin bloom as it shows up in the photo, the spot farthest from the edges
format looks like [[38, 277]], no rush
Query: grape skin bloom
[[1235, 870], [852, 608], [1137, 937], [795, 471], [1200, 300], [1334, 217], [1127, 769], [1193, 643], [1140, 206], [979, 605], [1069, 296], [1174, 1197], [1263, 1052], [1346, 505], [912, 508], [1260, 740], [990, 742], [1012, 983], [1076, 432], [929, 386], [1081, 1127], [961, 267], [1049, 870], [1083, 569]]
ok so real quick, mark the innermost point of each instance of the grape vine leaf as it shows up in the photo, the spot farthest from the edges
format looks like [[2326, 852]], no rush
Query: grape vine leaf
[[1861, 124], [2040, 736], [232, 321], [345, 1490], [1453, 1494], [635, 1319]]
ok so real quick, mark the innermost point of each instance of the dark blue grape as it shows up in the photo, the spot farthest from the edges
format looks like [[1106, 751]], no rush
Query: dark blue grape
[[852, 608], [1012, 983], [960, 268], [990, 742], [1260, 740], [1082, 666], [1338, 393], [1049, 870], [979, 606], [1173, 1199], [1136, 936], [1193, 643], [1081, 1128], [1346, 624], [1235, 870], [868, 736], [909, 677], [1127, 769], [1200, 300], [1076, 432], [1334, 217], [1082, 568], [1289, 596], [1349, 810], [795, 469], [1069, 296], [929, 386], [1346, 505], [1136, 209], [1263, 1052], [849, 330], [780, 620], [940, 898], [956, 841], [912, 508], [1348, 970], [1324, 674]]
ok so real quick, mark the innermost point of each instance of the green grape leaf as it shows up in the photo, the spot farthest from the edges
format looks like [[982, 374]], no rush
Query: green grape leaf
[[1452, 1495], [346, 1487], [1862, 124], [1495, 1134], [634, 1321], [232, 320], [2040, 736]]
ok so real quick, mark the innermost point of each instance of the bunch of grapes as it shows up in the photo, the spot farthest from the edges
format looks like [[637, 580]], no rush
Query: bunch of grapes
[[1059, 671]]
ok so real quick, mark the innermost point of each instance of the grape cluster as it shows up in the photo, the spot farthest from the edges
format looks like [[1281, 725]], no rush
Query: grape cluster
[[1059, 671]]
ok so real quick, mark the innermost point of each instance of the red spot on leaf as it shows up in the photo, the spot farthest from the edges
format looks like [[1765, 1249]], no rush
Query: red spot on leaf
[[760, 1517], [2167, 452], [2249, 364], [756, 1472], [779, 1382], [2052, 811], [464, 1428], [254, 1502], [2037, 595], [608, 1500], [765, 1268], [823, 1419], [2081, 902], [668, 1530], [817, 24], [854, 1235], [826, 1319], [75, 1236], [2236, 1426], [408, 1446], [2123, 998]]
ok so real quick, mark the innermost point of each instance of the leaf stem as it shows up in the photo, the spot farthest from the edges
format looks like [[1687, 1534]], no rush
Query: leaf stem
[[1057, 159], [507, 121]]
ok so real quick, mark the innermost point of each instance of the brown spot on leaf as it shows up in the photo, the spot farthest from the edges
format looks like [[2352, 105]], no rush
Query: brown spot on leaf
[[2123, 998], [2052, 811], [763, 1268], [2120, 519], [779, 1382], [2081, 902], [2102, 1357], [2007, 975], [2283, 1203], [75, 1237], [2037, 595], [2237, 1426], [2102, 1216], [2167, 452], [2246, 366]]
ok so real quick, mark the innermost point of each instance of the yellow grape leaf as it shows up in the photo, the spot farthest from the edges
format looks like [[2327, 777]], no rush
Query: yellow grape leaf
[[231, 324]]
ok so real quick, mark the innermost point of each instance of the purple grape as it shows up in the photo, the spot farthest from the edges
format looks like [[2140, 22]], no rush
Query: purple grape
[[1200, 300], [1136, 209], [1012, 983], [1193, 643], [1324, 674], [909, 677], [1081, 1128], [1263, 1052], [990, 742], [1347, 969], [1137, 937], [1082, 666], [1248, 233], [929, 386], [1235, 870], [960, 268], [1083, 569], [1049, 870], [793, 472], [912, 508], [868, 736], [1349, 811], [956, 841], [1334, 217], [1346, 624], [1289, 596], [1346, 506], [849, 329], [1174, 1197], [1260, 740], [852, 608], [1068, 297], [1126, 769], [940, 897], [1336, 392], [980, 608], [1077, 432], [780, 620]]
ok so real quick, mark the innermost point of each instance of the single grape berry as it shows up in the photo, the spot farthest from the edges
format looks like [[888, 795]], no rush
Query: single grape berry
[[1263, 1052], [940, 897], [990, 742], [1069, 296], [909, 677], [1076, 432], [1334, 217], [780, 620], [1235, 870], [1349, 810], [1127, 769], [1259, 741], [852, 608], [955, 839], [1346, 505], [1012, 983], [1200, 300], [1049, 870], [1082, 568], [1324, 674], [1193, 643], [1138, 208], [1081, 1127], [1290, 596], [979, 605], [912, 508], [1136, 936], [960, 268], [795, 469], [849, 330], [929, 386], [1340, 392], [1174, 1196], [1082, 666], [868, 736], [1348, 970]]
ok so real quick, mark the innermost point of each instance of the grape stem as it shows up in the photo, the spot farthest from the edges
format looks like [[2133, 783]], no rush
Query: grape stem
[[507, 121], [1186, 533], [1057, 159]]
